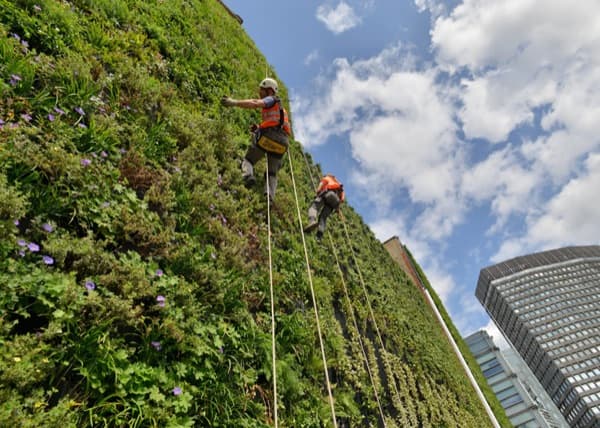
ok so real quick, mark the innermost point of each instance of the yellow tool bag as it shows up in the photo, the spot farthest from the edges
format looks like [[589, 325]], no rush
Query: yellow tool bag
[[271, 146]]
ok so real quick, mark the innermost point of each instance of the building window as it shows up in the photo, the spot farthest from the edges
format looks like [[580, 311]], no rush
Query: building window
[[511, 401]]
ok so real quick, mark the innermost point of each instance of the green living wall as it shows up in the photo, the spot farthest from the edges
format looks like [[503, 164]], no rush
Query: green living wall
[[134, 280], [491, 398]]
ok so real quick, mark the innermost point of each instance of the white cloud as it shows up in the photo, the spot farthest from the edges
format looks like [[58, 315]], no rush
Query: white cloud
[[511, 186], [573, 215], [524, 77], [399, 124], [570, 218], [385, 228], [479, 34], [488, 112], [497, 335], [539, 66], [520, 56], [441, 281], [311, 57], [435, 7], [338, 19]]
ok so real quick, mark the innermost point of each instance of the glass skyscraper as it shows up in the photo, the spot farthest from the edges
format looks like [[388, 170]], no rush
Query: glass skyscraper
[[520, 406], [548, 306]]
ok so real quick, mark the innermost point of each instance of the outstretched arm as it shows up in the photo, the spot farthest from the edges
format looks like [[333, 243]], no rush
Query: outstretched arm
[[250, 103]]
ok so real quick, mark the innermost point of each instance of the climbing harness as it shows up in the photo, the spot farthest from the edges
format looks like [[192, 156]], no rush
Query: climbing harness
[[352, 315], [273, 353], [273, 117], [314, 300]]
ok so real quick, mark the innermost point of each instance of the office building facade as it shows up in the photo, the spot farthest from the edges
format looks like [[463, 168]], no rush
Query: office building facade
[[546, 406], [548, 307], [523, 407]]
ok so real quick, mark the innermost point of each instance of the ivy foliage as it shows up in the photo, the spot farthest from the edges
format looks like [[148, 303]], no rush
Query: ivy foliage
[[134, 280]]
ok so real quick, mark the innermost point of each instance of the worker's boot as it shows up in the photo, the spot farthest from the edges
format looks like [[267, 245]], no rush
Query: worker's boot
[[312, 225], [249, 180], [248, 173]]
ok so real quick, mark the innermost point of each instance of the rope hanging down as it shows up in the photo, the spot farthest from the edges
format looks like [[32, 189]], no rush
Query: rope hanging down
[[312, 292], [273, 356], [355, 323], [349, 303], [371, 314]]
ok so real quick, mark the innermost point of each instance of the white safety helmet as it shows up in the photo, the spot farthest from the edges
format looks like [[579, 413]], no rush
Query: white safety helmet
[[269, 83]]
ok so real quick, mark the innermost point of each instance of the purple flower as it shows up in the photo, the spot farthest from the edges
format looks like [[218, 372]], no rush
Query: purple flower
[[21, 243], [80, 111], [156, 345], [2, 122], [25, 43], [90, 285], [159, 272], [59, 111], [48, 260], [103, 154], [47, 227], [37, 8], [50, 117], [161, 301], [22, 253], [122, 151], [26, 117], [82, 125], [14, 79], [16, 36], [85, 162], [16, 222], [33, 247], [177, 391]]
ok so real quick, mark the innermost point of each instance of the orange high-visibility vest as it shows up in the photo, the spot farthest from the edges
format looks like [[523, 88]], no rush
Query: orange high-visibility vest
[[271, 117], [329, 182]]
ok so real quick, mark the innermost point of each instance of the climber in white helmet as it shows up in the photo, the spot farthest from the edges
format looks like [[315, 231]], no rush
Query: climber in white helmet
[[271, 136]]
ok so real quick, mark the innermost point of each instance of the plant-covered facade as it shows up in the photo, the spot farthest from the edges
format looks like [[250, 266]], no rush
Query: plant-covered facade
[[134, 273]]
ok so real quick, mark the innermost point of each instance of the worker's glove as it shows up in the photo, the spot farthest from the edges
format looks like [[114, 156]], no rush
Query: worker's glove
[[227, 102], [253, 127]]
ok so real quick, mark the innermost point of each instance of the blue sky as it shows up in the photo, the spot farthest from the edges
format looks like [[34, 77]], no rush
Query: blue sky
[[470, 129]]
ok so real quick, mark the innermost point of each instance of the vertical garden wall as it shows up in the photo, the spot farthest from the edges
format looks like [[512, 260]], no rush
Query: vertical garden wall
[[134, 280]]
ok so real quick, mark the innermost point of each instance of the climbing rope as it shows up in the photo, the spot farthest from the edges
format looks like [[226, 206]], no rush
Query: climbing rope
[[355, 323], [312, 292], [273, 355], [352, 316], [372, 315]]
